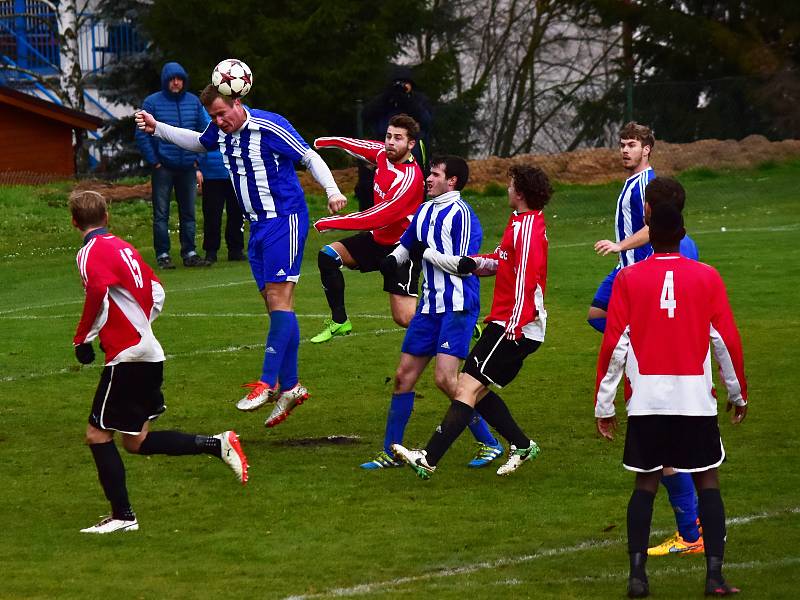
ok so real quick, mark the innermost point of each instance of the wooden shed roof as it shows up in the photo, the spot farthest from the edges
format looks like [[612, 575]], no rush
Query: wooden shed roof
[[49, 110]]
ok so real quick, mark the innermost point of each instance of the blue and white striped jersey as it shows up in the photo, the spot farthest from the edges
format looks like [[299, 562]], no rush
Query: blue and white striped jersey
[[449, 225], [630, 215], [260, 158]]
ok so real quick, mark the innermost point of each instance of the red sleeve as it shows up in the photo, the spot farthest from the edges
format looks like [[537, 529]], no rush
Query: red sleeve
[[530, 263], [727, 345], [365, 149], [401, 201], [95, 282], [614, 349]]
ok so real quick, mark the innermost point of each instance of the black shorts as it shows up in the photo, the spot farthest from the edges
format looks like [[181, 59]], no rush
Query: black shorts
[[496, 360], [686, 444], [128, 395], [368, 254]]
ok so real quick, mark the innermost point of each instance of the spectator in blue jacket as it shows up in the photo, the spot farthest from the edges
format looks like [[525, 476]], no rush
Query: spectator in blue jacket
[[218, 194], [173, 167]]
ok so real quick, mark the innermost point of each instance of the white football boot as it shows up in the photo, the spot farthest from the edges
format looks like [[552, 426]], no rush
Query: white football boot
[[233, 455], [517, 456], [110, 525], [286, 404], [260, 394], [416, 459]]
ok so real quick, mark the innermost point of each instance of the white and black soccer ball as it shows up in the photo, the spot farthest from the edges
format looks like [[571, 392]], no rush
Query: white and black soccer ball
[[232, 78]]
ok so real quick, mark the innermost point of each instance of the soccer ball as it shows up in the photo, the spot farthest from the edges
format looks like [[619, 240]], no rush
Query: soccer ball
[[232, 78]]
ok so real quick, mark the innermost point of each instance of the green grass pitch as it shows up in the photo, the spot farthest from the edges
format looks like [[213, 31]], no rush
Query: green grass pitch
[[311, 524]]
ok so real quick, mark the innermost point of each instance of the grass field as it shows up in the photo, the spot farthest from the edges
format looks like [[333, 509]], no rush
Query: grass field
[[311, 524]]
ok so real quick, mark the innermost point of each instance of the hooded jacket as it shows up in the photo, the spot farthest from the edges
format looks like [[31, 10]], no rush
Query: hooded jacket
[[181, 110]]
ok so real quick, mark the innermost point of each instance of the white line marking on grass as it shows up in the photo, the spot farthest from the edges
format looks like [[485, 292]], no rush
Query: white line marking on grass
[[169, 290], [381, 586], [777, 228], [184, 315], [673, 570], [226, 350]]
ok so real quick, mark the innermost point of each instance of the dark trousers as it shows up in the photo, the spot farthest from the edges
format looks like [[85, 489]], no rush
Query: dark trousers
[[184, 183], [219, 194]]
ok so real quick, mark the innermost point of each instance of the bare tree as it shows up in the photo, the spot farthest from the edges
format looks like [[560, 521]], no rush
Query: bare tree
[[530, 62]]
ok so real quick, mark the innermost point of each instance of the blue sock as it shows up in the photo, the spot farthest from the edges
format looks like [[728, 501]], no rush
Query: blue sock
[[480, 429], [287, 374], [680, 488], [599, 324], [397, 419], [280, 332]]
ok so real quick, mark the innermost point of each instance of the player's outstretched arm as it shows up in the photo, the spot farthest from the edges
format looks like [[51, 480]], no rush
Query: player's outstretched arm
[[322, 175], [145, 121]]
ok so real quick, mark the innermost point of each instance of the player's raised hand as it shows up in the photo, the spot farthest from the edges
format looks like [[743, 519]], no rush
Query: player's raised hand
[[336, 203], [739, 413], [606, 426], [604, 247], [145, 121]]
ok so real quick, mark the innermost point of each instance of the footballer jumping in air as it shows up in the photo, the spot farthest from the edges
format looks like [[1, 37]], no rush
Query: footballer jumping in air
[[398, 191], [259, 149]]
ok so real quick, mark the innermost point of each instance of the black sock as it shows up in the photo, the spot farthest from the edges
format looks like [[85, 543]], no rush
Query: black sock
[[711, 511], [640, 514], [111, 473], [492, 408], [638, 562], [455, 421], [177, 443], [330, 274]]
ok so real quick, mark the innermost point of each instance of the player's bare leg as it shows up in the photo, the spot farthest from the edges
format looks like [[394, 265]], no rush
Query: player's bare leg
[[403, 308]]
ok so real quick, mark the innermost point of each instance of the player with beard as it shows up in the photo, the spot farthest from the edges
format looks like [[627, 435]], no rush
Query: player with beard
[[398, 191]]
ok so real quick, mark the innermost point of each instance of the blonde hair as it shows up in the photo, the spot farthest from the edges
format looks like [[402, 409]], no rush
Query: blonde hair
[[88, 208]]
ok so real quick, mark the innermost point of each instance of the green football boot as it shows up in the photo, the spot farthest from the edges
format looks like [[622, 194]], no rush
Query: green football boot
[[331, 330]]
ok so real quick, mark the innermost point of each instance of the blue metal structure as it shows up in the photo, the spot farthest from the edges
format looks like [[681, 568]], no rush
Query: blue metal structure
[[28, 37]]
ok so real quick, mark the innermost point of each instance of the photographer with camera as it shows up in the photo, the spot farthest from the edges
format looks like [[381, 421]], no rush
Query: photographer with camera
[[399, 97]]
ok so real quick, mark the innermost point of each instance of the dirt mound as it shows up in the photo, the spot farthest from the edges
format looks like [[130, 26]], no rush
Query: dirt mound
[[594, 165], [114, 192], [601, 165]]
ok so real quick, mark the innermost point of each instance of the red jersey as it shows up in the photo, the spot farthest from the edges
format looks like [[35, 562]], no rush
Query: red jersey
[[662, 312], [397, 192], [520, 262], [123, 296]]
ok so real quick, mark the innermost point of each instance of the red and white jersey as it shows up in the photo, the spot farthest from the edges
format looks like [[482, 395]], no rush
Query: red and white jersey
[[662, 312], [397, 192], [520, 263], [123, 296]]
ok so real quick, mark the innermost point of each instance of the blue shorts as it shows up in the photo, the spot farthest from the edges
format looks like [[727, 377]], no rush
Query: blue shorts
[[440, 333], [276, 248], [603, 294]]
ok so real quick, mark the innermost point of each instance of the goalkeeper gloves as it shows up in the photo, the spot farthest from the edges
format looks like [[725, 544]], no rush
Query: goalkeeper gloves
[[84, 353]]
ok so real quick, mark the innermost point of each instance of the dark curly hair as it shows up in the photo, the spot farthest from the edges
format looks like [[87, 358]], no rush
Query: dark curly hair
[[533, 184], [403, 121]]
